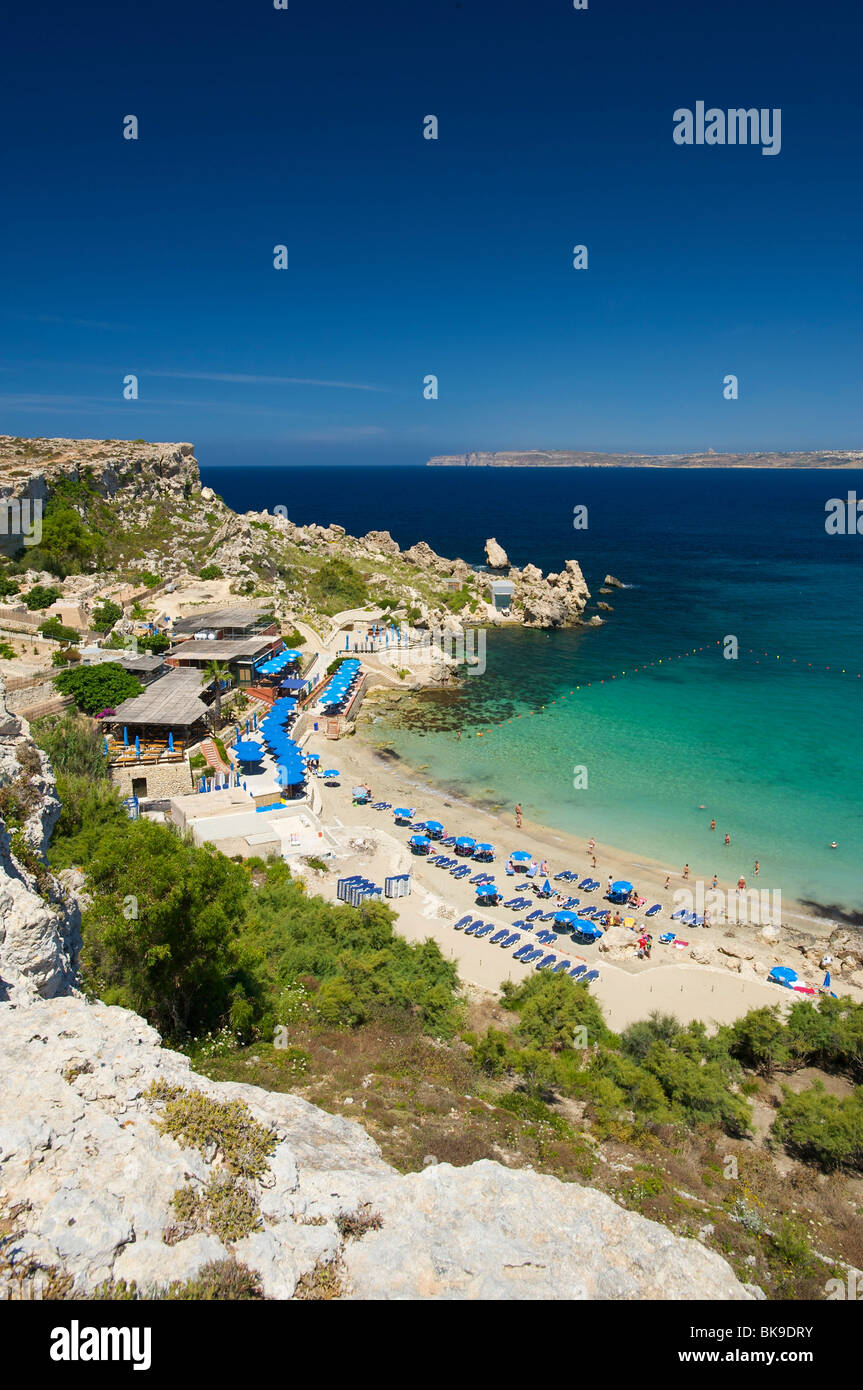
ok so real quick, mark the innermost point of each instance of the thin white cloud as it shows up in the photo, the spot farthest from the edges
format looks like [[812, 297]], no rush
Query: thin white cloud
[[252, 379]]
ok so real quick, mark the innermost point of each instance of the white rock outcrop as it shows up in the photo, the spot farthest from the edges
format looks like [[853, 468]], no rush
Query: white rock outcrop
[[84, 1164], [39, 920]]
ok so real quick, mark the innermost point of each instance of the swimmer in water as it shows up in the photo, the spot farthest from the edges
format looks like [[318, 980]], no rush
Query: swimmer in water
[[834, 845]]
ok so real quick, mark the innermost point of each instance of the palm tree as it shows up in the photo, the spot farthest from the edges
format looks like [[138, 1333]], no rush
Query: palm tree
[[218, 672]]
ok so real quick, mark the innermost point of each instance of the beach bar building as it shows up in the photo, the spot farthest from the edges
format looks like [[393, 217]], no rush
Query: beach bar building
[[225, 624], [243, 656], [159, 724]]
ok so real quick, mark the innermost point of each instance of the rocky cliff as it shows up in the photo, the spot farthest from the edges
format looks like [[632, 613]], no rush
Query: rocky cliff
[[147, 507], [39, 921]]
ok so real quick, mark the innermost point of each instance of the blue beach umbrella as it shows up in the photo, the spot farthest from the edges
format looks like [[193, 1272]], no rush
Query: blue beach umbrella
[[486, 890], [783, 975], [125, 736], [248, 752], [587, 928], [137, 746], [435, 827], [331, 772], [403, 812], [419, 841], [565, 919], [170, 741], [521, 856], [484, 849], [826, 984], [465, 841], [621, 886]]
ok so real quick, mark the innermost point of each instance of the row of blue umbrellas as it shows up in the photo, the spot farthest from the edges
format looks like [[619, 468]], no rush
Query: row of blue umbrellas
[[339, 684], [277, 663]]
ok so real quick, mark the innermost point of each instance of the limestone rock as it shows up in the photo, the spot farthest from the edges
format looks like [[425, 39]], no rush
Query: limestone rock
[[520, 1235], [90, 1175], [496, 555], [381, 540], [39, 924], [619, 943], [610, 582]]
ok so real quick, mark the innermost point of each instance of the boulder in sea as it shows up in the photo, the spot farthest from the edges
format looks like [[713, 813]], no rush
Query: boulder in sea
[[496, 555], [606, 607], [612, 582]]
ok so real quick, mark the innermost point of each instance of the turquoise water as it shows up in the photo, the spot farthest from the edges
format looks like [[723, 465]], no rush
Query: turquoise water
[[771, 748]]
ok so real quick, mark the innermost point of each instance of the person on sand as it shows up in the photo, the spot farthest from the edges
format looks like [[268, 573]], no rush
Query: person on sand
[[543, 868], [591, 845], [741, 884], [593, 861], [715, 884], [518, 817], [728, 839], [713, 825], [686, 871], [667, 881]]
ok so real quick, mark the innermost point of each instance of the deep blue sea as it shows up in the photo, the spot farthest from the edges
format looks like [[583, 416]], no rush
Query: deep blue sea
[[770, 743]]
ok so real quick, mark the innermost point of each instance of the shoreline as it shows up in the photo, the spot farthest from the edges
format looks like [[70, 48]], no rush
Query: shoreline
[[718, 976], [818, 915]]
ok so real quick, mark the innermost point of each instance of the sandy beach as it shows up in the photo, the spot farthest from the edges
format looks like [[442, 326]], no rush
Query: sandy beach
[[728, 981]]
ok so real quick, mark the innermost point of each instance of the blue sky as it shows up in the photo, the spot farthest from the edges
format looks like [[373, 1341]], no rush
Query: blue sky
[[409, 257]]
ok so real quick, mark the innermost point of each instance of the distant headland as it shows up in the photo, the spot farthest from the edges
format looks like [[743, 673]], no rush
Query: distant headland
[[564, 458]]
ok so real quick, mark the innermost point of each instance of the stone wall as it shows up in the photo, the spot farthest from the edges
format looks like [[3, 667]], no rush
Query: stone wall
[[163, 779]]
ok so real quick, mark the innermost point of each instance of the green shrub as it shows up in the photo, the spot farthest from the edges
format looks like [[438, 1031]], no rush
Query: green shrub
[[57, 631], [822, 1129], [224, 1129], [106, 615], [211, 572], [94, 688], [41, 596]]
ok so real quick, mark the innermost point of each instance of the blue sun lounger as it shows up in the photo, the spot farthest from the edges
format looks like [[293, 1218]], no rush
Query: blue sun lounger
[[460, 872], [512, 940], [561, 966], [484, 930], [679, 915], [591, 976], [546, 962], [652, 911], [535, 915], [577, 970], [522, 951], [462, 923], [499, 936], [474, 927]]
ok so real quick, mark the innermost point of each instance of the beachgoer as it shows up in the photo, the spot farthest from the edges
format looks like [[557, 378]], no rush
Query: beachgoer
[[757, 867], [826, 960], [741, 884], [713, 825], [593, 861], [686, 871], [728, 839], [591, 844], [715, 882], [834, 845], [518, 817], [608, 885], [667, 880], [543, 868], [458, 736]]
